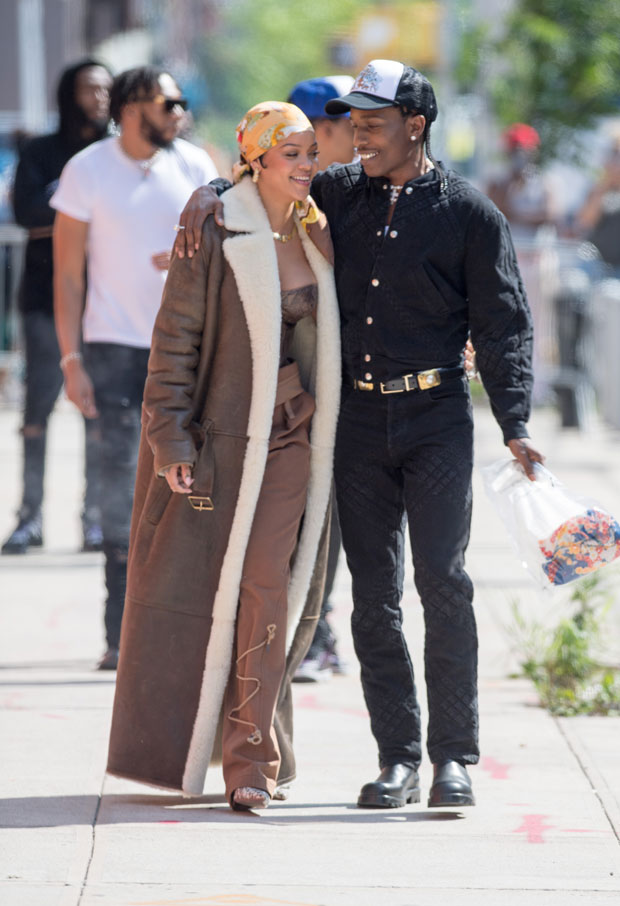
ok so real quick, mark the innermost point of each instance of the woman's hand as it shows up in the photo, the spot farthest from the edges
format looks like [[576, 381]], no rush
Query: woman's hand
[[202, 202], [161, 260], [471, 368], [525, 454], [179, 477]]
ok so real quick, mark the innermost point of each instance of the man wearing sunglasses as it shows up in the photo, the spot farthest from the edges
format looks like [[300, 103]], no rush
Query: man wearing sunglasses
[[117, 205]]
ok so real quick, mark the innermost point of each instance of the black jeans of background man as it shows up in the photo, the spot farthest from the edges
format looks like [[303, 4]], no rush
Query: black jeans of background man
[[43, 384], [398, 457], [324, 639], [118, 374]]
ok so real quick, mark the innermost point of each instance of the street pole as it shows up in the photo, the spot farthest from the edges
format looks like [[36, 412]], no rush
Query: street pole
[[31, 46]]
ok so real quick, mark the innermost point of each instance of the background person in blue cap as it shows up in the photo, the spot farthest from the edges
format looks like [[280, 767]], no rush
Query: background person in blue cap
[[333, 131], [335, 141], [422, 260]]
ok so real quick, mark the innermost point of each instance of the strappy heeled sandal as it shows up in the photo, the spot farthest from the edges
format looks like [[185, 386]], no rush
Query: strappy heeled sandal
[[246, 798], [282, 792]]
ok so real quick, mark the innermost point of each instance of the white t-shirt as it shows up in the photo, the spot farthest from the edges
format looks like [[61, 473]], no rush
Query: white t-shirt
[[131, 215]]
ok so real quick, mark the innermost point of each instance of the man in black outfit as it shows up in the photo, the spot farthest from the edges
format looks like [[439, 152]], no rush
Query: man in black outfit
[[83, 101], [422, 261]]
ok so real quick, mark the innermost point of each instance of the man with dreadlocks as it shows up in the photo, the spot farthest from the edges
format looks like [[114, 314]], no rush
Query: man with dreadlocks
[[83, 100], [422, 260]]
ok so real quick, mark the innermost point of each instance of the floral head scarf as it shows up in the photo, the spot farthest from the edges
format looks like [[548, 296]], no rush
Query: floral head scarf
[[264, 126], [267, 124]]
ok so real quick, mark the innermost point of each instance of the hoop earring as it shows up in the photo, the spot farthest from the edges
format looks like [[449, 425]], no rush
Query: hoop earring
[[255, 176]]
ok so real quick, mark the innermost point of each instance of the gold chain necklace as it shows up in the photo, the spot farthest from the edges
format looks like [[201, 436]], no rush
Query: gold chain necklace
[[284, 237]]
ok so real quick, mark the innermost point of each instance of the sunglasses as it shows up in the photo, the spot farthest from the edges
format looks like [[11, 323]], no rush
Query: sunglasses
[[170, 103]]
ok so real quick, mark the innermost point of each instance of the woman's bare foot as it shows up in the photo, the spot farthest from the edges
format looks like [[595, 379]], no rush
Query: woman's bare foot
[[248, 797]]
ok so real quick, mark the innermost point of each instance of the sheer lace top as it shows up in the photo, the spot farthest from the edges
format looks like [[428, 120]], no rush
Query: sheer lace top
[[296, 304]]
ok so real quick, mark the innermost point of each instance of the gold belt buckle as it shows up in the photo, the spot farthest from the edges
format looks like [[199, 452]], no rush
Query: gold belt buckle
[[405, 378], [364, 385], [428, 379], [201, 503]]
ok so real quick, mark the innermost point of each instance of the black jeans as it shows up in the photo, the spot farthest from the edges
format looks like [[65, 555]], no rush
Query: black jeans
[[410, 456], [324, 639], [118, 374], [43, 384]]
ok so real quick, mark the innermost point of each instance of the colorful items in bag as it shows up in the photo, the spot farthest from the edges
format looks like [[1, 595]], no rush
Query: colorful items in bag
[[580, 545]]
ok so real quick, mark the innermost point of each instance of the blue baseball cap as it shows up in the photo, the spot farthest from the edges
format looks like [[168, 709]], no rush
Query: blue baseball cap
[[311, 95]]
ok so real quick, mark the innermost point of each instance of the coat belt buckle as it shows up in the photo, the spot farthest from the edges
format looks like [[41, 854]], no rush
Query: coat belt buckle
[[201, 503], [364, 385], [428, 379]]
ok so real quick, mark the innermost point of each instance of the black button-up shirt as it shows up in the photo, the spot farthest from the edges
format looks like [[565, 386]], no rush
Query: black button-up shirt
[[409, 296]]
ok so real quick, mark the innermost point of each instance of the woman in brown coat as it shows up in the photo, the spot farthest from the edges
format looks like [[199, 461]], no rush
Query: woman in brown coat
[[234, 478]]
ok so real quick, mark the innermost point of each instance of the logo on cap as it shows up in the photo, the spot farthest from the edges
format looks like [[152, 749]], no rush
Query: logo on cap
[[368, 80]]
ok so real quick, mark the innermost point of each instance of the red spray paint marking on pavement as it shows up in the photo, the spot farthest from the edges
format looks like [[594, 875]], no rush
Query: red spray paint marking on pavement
[[311, 702], [496, 769], [534, 827]]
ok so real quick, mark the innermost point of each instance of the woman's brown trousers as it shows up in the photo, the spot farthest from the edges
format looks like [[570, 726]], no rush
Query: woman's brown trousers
[[250, 751]]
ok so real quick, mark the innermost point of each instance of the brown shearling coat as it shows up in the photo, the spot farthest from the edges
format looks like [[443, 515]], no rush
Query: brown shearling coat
[[209, 400]]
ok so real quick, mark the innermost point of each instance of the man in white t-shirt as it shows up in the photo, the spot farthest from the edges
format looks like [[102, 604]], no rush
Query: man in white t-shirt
[[118, 202]]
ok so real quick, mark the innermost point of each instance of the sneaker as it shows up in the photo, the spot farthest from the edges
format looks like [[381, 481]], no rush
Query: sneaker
[[92, 537], [336, 664], [109, 661], [29, 533], [314, 669]]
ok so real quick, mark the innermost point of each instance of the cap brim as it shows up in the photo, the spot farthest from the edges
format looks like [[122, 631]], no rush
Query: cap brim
[[357, 100]]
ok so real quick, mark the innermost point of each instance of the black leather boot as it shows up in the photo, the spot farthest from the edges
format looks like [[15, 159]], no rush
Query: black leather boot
[[451, 786], [396, 785]]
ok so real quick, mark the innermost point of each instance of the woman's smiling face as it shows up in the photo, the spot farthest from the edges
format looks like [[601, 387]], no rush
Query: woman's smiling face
[[287, 169]]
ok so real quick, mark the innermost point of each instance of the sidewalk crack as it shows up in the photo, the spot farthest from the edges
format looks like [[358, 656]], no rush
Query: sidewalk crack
[[92, 845], [574, 746]]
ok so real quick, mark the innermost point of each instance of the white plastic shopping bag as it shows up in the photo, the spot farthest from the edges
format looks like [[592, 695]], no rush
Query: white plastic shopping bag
[[559, 537]]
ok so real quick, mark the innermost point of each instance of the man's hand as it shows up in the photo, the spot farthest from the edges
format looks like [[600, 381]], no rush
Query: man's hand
[[525, 454], [179, 478], [202, 202], [79, 389]]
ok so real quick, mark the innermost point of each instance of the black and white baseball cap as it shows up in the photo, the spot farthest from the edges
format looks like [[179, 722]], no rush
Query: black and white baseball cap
[[387, 83]]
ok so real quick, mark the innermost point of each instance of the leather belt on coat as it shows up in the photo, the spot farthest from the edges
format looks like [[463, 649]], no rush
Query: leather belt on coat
[[417, 380]]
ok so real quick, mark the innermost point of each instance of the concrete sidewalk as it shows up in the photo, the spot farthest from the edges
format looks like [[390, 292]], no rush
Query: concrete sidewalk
[[546, 830]]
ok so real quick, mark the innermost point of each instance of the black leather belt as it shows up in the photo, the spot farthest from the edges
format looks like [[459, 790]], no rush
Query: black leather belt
[[417, 380]]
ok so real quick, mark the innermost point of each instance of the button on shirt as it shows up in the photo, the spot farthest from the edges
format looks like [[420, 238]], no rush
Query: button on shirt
[[410, 295]]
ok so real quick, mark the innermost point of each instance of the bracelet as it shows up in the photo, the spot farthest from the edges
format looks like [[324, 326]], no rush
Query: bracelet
[[69, 357]]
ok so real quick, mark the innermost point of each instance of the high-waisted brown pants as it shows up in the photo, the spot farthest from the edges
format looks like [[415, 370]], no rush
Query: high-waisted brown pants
[[250, 754]]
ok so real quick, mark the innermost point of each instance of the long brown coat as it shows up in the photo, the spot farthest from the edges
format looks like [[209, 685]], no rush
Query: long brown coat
[[209, 401]]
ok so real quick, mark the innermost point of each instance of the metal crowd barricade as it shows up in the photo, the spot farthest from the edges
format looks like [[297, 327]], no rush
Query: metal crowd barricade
[[559, 276], [12, 246]]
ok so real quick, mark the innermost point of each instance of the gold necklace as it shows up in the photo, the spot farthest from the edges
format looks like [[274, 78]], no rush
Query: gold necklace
[[284, 237]]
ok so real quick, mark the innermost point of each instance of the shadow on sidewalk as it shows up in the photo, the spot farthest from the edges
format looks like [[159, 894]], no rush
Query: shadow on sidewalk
[[118, 808]]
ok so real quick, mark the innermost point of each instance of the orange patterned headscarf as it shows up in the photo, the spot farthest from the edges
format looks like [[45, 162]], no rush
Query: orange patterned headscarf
[[264, 126], [267, 124]]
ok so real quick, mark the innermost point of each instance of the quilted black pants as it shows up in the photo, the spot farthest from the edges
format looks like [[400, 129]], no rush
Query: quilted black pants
[[408, 457]]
